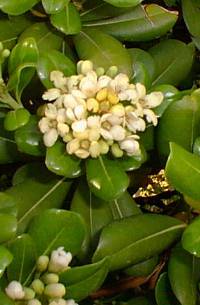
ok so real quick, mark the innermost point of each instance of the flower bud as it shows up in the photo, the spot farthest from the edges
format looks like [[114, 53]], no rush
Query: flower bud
[[116, 151], [59, 260], [104, 147], [100, 71], [5, 53], [50, 137], [71, 302], [29, 293], [34, 302], [58, 302], [55, 290], [42, 263], [15, 291], [86, 66], [94, 149], [50, 278], [38, 286], [112, 71]]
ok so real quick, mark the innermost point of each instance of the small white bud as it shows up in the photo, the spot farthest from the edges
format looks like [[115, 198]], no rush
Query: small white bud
[[116, 151], [103, 82], [63, 129], [88, 87], [112, 71], [59, 261], [50, 278], [51, 111], [79, 126], [55, 290], [58, 302], [150, 116], [118, 133], [72, 146], [38, 286], [141, 90], [71, 302], [61, 115], [15, 291], [94, 134], [34, 302], [154, 99], [86, 66], [44, 125], [79, 112], [131, 146], [51, 95], [42, 263], [69, 101], [50, 137], [94, 149], [57, 77], [29, 293], [82, 153]]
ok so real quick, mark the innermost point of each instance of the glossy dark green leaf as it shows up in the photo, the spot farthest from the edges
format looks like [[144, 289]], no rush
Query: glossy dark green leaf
[[53, 6], [132, 163], [191, 15], [183, 171], [190, 238], [105, 178], [180, 115], [51, 192], [5, 300], [45, 37], [135, 25], [183, 272], [16, 118], [66, 230], [141, 75], [22, 62], [173, 61], [53, 61], [29, 138], [147, 139], [9, 227], [7, 204], [24, 257], [124, 3], [10, 28], [137, 238], [61, 163], [16, 7], [163, 291], [68, 20], [98, 213], [5, 260], [144, 268], [103, 50], [84, 280]]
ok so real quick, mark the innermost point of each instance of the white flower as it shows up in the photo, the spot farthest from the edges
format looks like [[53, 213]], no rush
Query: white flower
[[58, 302], [141, 90], [51, 111], [50, 137], [135, 123], [103, 82], [82, 153], [131, 146], [79, 126], [88, 85], [120, 83], [51, 95], [118, 133], [15, 291], [69, 101], [73, 81], [153, 99], [79, 112], [71, 302], [73, 146], [85, 66], [62, 129], [44, 125], [93, 121], [34, 302], [57, 77], [150, 116], [94, 149], [61, 115], [59, 260]]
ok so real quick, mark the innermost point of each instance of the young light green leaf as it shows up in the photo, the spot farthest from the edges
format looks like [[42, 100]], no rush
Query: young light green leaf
[[124, 3], [163, 291], [103, 50], [144, 268], [45, 37], [68, 20], [9, 227], [24, 252], [105, 178], [5, 260], [137, 238], [191, 15], [139, 24], [190, 238], [16, 7], [183, 171], [51, 192], [7, 204], [183, 272], [61, 163], [180, 115], [66, 230], [53, 61], [53, 6], [84, 280], [173, 61]]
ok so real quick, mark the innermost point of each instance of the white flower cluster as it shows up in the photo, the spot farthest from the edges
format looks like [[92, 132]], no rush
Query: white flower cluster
[[47, 285], [96, 112]]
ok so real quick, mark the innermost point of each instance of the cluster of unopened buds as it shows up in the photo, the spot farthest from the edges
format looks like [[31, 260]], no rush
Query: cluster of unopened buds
[[97, 111], [45, 285]]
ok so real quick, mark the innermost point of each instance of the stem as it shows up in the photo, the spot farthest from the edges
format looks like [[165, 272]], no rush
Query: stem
[[9, 100]]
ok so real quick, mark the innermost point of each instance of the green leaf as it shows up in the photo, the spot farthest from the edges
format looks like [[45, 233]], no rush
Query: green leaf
[[51, 192], [10, 28], [124, 3], [163, 291], [103, 50], [45, 37], [190, 238], [53, 6], [16, 7], [144, 268], [105, 178], [16, 118], [196, 146], [22, 62], [9, 227], [67, 21], [98, 213], [54, 61], [5, 300], [150, 235], [66, 230], [29, 138], [5, 259], [191, 15], [7, 204], [138, 301], [183, 272], [84, 280], [183, 171], [61, 163], [24, 252], [173, 60], [139, 24], [132, 163], [180, 115]]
